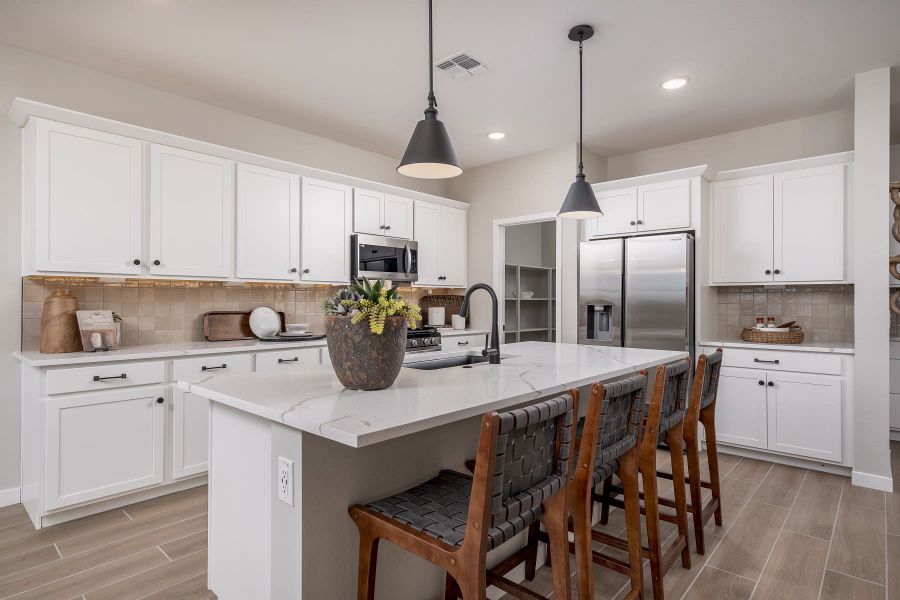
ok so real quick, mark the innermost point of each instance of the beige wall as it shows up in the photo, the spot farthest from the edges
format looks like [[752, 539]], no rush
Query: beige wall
[[810, 136], [36, 77], [526, 185]]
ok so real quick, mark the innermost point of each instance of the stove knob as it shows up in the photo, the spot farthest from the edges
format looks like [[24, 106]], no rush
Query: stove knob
[[427, 341], [413, 343]]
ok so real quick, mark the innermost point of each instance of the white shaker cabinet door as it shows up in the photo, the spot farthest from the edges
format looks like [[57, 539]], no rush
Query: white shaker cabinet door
[[742, 230], [268, 224], [103, 443], [326, 221], [427, 221], [191, 213], [87, 187], [804, 415], [452, 248], [619, 213], [398, 216], [741, 407], [368, 207], [665, 205], [190, 412], [809, 225]]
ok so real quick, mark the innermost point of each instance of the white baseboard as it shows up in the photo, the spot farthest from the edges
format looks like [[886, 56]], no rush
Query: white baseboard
[[869, 480], [10, 497]]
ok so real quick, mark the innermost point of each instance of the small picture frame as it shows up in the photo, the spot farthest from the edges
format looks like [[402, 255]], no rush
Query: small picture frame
[[98, 330]]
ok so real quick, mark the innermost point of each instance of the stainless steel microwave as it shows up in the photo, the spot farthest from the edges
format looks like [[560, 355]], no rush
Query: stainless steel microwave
[[379, 257]]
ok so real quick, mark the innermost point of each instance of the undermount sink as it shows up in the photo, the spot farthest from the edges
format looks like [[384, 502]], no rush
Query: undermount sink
[[467, 360]]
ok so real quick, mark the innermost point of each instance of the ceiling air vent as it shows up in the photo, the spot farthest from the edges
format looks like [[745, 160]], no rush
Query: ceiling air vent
[[461, 66]]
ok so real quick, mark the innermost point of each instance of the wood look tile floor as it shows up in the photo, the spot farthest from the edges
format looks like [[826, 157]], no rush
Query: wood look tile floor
[[788, 533]]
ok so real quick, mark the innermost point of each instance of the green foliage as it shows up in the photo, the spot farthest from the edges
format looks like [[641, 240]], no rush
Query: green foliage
[[372, 301]]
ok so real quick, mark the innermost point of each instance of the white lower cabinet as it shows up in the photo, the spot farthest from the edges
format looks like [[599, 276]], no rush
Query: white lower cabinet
[[190, 413], [103, 443], [792, 413], [741, 408]]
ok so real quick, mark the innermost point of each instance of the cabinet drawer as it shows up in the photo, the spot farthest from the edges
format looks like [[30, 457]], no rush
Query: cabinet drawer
[[194, 369], [773, 360], [104, 377], [464, 342], [272, 361]]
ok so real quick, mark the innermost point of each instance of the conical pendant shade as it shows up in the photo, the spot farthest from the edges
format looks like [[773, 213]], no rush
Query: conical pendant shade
[[430, 154], [580, 202]]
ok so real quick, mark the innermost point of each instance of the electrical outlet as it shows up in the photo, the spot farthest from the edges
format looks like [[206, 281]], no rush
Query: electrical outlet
[[286, 480]]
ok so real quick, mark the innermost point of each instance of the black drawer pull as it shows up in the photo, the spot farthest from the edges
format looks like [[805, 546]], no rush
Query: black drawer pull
[[466, 343], [98, 378], [768, 362], [288, 360], [205, 368]]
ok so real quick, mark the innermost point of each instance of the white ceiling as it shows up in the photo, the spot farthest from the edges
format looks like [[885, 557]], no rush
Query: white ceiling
[[355, 70]]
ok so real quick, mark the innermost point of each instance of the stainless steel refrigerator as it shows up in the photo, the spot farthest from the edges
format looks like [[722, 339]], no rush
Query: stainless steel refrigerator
[[637, 292]]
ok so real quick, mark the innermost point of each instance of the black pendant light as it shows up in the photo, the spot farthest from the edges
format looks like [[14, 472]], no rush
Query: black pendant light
[[580, 202], [430, 154]]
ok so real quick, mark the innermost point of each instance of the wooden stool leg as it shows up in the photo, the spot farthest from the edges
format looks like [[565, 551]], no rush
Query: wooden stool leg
[[693, 455], [368, 557], [556, 521], [708, 419], [584, 563], [604, 504], [675, 442], [451, 590], [628, 474], [651, 510], [531, 559]]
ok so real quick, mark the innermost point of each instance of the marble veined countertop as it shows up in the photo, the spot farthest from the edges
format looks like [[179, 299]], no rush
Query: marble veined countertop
[[311, 399], [832, 348]]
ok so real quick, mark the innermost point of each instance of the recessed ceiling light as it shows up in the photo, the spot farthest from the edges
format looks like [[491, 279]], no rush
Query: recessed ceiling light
[[496, 135], [674, 84]]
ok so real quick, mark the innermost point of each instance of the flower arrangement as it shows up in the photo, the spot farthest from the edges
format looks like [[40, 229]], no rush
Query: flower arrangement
[[375, 302]]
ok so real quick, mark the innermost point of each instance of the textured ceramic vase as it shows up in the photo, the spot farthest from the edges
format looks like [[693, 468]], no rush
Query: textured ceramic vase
[[361, 359], [59, 324]]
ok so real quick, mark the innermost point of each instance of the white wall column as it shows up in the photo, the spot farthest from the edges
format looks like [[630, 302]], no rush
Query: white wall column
[[871, 446]]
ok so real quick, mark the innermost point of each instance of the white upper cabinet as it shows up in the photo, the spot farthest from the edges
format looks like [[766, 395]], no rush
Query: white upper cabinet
[[441, 233], [784, 227], [658, 206], [87, 191], [268, 224], [809, 225], [191, 213], [665, 205], [377, 213], [326, 221], [742, 226], [398, 216]]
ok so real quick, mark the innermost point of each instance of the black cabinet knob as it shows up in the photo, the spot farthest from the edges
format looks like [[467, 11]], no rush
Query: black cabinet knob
[[761, 382], [640, 222], [137, 261], [777, 271], [768, 271], [293, 269], [632, 222], [160, 400], [306, 270], [387, 226], [156, 263], [771, 384]]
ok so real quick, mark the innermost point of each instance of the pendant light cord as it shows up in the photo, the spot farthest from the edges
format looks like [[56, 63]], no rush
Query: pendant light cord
[[432, 101], [580, 102]]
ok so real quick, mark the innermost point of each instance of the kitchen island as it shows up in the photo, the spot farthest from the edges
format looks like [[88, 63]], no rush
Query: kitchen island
[[349, 446]]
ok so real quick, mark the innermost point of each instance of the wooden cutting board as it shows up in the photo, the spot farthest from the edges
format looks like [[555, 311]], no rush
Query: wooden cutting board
[[230, 325]]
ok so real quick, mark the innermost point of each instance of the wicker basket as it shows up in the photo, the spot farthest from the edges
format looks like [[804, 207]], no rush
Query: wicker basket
[[755, 336]]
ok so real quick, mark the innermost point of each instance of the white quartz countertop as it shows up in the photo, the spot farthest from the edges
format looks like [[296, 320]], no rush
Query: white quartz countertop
[[36, 359], [833, 348], [311, 399]]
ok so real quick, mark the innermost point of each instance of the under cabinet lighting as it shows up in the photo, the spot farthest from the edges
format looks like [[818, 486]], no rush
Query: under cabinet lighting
[[674, 84], [496, 135]]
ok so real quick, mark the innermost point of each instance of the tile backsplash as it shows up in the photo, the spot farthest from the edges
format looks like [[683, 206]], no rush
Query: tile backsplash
[[159, 312], [824, 311]]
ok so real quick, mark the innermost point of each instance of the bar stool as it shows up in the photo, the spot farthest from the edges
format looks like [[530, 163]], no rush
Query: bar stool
[[521, 476], [664, 422], [702, 410]]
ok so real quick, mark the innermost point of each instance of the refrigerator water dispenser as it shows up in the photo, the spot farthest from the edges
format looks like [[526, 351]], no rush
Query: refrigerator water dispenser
[[599, 322]]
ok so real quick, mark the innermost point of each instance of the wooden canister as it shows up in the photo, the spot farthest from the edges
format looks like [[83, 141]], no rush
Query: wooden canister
[[59, 324]]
